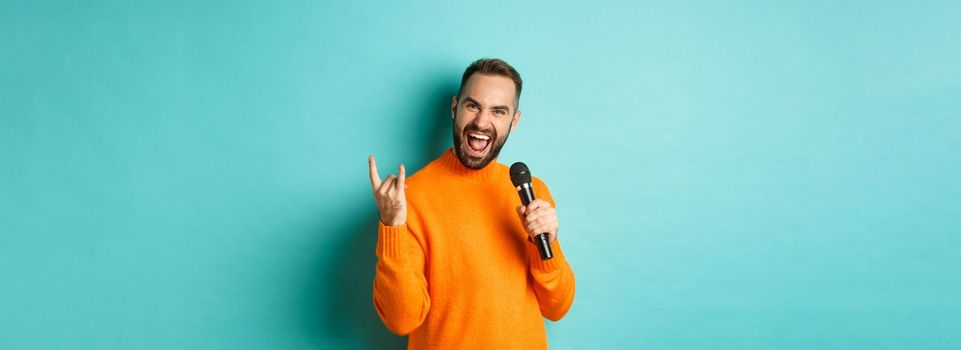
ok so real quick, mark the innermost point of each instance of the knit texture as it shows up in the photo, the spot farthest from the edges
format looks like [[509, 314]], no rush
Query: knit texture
[[462, 273]]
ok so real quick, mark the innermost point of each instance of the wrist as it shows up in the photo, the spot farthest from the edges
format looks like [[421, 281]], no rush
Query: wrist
[[393, 222]]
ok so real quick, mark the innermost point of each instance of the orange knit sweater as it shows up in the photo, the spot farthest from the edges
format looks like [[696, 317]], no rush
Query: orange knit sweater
[[461, 273]]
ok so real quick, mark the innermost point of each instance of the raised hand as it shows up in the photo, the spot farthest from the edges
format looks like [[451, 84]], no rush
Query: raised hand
[[389, 195]]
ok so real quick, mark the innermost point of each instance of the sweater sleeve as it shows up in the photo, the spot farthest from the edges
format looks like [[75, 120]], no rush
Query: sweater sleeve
[[554, 278], [400, 287], [553, 281]]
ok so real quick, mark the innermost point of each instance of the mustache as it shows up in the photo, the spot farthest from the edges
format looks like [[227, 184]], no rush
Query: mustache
[[472, 127]]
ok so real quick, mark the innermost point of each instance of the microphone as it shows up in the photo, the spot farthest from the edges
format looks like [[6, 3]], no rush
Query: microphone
[[521, 178]]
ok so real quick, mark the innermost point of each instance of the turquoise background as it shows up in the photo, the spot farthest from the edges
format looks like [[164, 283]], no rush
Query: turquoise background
[[729, 175]]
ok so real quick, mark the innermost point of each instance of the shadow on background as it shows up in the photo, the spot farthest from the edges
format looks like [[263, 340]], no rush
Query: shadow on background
[[436, 134], [350, 312]]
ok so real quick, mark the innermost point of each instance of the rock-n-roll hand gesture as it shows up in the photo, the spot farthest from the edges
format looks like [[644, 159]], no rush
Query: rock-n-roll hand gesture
[[389, 195]]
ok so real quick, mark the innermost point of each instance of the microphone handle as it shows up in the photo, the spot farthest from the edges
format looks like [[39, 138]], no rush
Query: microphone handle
[[542, 240], [544, 246]]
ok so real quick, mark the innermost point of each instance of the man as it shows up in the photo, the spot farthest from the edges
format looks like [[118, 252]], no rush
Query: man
[[454, 270]]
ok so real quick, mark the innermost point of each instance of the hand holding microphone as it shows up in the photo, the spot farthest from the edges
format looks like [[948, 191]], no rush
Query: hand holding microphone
[[538, 216]]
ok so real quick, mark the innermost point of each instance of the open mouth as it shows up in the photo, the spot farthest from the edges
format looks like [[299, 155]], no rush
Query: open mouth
[[478, 143]]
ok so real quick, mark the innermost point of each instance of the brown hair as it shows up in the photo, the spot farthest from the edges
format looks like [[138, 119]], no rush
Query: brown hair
[[493, 66]]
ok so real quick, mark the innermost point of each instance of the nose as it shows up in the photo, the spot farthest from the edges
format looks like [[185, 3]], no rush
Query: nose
[[483, 119]]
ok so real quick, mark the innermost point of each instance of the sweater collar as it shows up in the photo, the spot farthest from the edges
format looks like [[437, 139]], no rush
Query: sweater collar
[[450, 162]]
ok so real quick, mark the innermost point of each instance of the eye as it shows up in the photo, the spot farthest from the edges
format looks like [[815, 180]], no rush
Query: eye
[[471, 106], [500, 112]]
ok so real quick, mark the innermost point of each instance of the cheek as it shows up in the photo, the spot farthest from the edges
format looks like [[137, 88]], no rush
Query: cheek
[[502, 129], [461, 120], [459, 124]]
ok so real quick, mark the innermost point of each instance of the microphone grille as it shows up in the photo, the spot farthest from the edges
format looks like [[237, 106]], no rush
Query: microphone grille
[[520, 174]]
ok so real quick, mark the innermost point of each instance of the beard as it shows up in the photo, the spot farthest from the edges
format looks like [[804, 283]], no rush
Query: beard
[[472, 162]]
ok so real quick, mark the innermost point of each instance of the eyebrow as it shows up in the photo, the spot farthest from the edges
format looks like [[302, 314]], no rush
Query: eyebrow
[[470, 99]]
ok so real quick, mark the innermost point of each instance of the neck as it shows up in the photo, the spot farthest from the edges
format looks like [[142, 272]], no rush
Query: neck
[[451, 162]]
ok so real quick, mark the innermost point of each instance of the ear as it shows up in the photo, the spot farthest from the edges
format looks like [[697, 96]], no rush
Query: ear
[[517, 118], [453, 106]]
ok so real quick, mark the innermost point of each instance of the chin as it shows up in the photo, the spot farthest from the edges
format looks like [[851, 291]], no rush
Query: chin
[[471, 161]]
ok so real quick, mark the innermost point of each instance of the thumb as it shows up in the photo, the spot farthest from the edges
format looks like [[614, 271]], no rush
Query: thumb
[[521, 209]]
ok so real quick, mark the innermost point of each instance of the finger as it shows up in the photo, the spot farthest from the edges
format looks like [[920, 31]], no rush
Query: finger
[[520, 209], [374, 177], [542, 220], [387, 184], [402, 178], [539, 213], [531, 225], [536, 230], [537, 203], [534, 212], [389, 188], [539, 208], [545, 228], [531, 217]]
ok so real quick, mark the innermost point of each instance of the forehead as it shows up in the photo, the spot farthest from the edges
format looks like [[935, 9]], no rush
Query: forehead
[[490, 90]]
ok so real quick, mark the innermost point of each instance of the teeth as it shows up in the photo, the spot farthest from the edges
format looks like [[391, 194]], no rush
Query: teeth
[[479, 136]]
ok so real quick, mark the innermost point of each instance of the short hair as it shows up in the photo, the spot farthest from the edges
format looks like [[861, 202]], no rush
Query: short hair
[[493, 66]]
